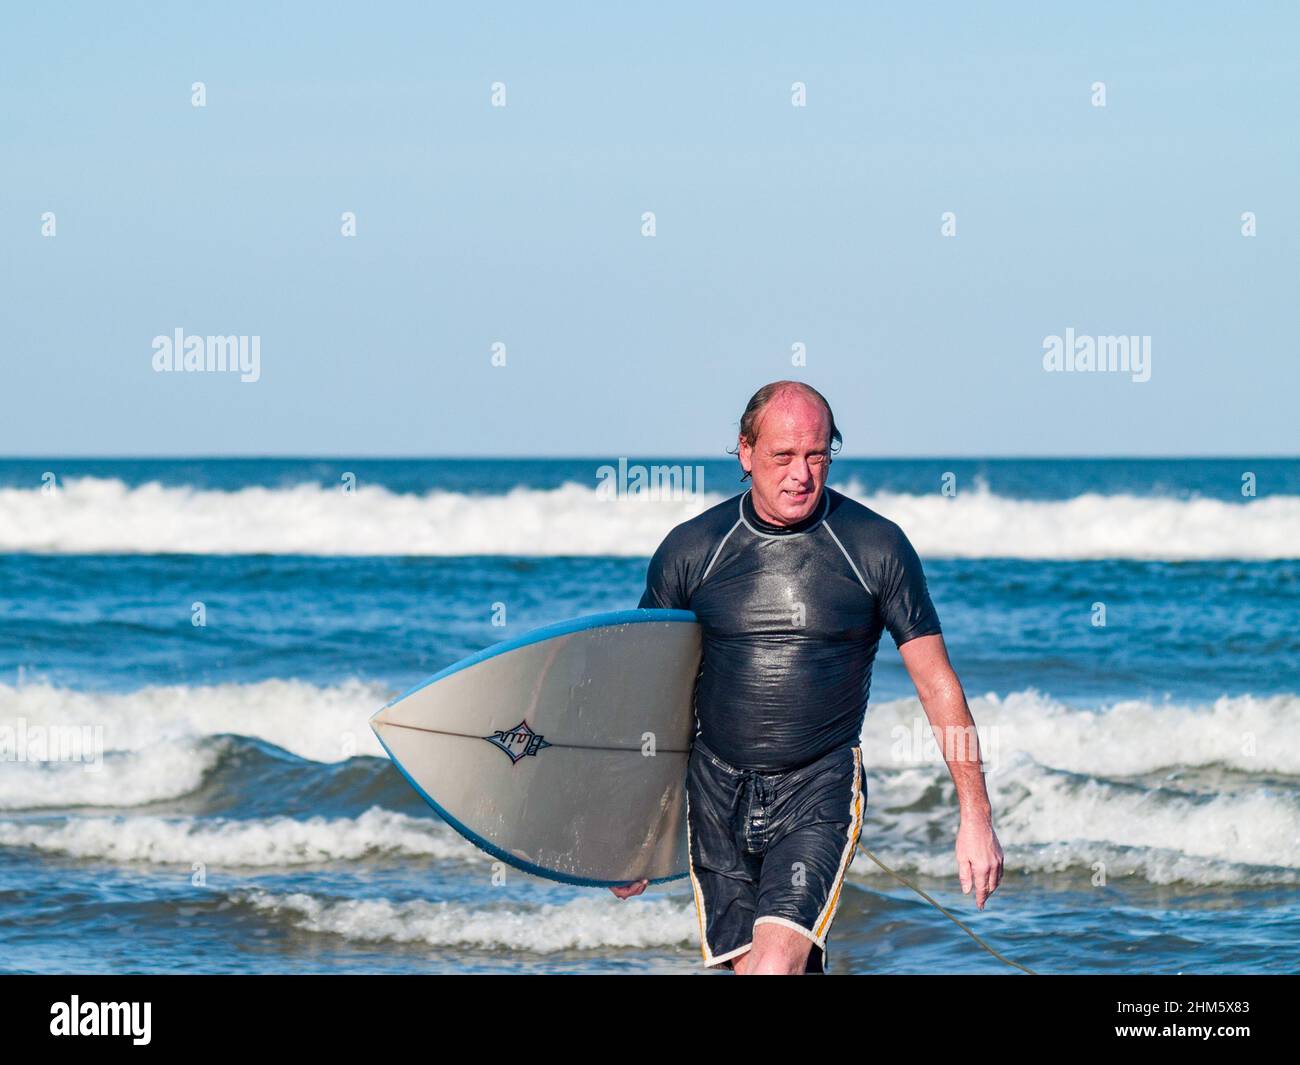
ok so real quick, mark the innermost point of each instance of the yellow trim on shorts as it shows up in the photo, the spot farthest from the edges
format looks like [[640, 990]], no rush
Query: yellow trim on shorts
[[827, 915], [695, 885]]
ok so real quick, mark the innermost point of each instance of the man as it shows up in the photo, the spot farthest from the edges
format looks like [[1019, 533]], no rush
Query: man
[[793, 584]]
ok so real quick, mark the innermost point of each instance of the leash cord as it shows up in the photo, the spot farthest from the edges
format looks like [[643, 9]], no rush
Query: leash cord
[[950, 917]]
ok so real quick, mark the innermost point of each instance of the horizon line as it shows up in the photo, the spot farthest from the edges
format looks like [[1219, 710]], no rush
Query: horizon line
[[650, 456]]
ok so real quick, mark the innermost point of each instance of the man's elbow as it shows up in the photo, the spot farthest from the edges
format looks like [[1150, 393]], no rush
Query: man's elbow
[[940, 689]]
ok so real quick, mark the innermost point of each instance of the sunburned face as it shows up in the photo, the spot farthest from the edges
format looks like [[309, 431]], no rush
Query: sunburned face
[[789, 459]]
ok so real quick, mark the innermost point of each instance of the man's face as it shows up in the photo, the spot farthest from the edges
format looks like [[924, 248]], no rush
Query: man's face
[[789, 459]]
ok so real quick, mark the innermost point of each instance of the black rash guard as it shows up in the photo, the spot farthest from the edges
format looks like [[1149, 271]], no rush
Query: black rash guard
[[792, 617]]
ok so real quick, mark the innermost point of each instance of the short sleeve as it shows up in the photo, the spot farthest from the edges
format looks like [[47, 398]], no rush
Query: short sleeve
[[664, 586], [905, 604]]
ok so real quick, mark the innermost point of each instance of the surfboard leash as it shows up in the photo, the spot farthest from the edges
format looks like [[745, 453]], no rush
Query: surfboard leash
[[908, 883]]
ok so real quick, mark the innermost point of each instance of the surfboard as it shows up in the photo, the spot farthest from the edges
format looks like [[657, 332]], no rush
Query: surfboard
[[561, 752]]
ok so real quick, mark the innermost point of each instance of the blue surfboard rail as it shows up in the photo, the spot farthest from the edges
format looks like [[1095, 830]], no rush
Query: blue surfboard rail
[[547, 632]]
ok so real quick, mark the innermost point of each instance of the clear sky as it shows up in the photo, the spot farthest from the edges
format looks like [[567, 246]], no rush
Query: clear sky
[[776, 225]]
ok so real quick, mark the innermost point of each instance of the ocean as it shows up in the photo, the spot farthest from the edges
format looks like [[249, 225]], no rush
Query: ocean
[[1127, 632]]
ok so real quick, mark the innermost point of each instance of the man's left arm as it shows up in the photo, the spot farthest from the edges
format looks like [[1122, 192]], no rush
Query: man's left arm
[[909, 615], [979, 855]]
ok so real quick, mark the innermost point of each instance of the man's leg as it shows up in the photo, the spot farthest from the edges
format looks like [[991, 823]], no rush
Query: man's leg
[[724, 878], [816, 819], [777, 951]]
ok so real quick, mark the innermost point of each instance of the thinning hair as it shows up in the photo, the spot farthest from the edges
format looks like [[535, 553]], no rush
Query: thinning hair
[[759, 401]]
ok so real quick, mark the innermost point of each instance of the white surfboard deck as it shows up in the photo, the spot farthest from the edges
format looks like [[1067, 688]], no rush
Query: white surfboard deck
[[535, 749]]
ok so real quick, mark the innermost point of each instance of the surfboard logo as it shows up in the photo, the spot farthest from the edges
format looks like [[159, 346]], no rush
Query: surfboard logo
[[518, 742]]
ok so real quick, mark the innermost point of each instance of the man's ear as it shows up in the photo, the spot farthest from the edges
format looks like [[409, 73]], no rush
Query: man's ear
[[745, 454]]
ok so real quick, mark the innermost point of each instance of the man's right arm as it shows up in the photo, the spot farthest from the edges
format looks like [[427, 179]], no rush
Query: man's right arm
[[665, 578]]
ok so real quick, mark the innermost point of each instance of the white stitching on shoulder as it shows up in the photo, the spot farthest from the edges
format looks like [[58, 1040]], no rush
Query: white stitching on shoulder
[[717, 553], [847, 557]]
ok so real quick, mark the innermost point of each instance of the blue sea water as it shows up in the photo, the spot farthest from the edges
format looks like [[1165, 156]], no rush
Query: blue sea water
[[1144, 771]]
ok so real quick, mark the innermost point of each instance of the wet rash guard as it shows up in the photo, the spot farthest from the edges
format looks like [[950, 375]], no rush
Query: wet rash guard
[[792, 617]]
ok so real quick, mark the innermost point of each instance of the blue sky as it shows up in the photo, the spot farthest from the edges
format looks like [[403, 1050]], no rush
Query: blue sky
[[775, 225]]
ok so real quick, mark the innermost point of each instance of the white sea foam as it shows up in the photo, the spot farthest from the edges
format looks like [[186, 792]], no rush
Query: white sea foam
[[1164, 792], [1167, 792], [1248, 733], [158, 740], [259, 842], [329, 723], [1049, 821], [105, 516], [1163, 866], [157, 771], [319, 723], [584, 924]]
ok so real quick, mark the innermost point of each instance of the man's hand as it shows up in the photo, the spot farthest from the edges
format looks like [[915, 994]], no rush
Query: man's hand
[[979, 859], [626, 891]]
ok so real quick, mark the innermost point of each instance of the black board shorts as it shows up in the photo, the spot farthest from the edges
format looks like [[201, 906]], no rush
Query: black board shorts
[[770, 847]]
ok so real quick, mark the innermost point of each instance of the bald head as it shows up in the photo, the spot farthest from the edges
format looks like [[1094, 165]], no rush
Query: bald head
[[786, 396]]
